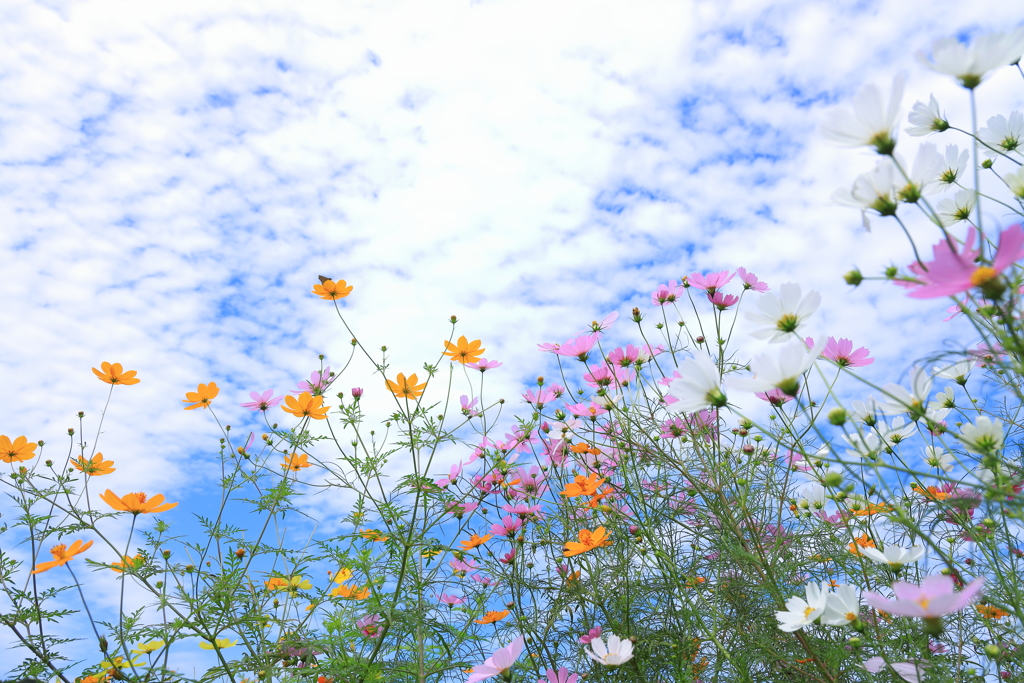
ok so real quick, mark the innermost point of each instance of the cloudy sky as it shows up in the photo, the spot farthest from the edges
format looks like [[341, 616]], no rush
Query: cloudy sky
[[174, 176]]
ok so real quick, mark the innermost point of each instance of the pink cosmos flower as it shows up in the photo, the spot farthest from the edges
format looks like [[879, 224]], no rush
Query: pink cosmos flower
[[357, 393], [483, 365], [581, 410], [579, 347], [750, 281], [368, 625], [484, 580], [776, 396], [797, 461], [469, 407], [545, 395], [711, 282], [952, 272], [459, 509], [318, 381], [262, 401], [522, 510], [531, 482], [462, 567], [722, 301], [908, 671], [935, 597], [508, 526], [548, 347], [955, 310], [453, 475], [608, 375], [593, 633], [605, 324], [842, 353], [508, 557], [667, 294], [451, 600], [560, 676], [498, 663]]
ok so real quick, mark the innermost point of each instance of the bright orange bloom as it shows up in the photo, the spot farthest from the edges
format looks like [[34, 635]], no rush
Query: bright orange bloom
[[115, 374], [275, 583], [132, 562], [465, 352], [61, 555], [343, 575], [596, 499], [931, 493], [136, 503], [351, 592], [330, 290], [306, 405], [373, 535], [95, 467], [583, 486], [202, 396], [990, 612], [588, 541], [492, 617], [474, 541], [871, 509], [572, 578], [406, 388], [295, 462], [18, 451], [862, 542]]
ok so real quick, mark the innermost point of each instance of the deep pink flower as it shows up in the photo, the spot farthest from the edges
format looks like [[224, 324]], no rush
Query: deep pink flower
[[483, 365], [776, 396], [508, 526], [579, 347], [262, 401], [357, 393], [952, 272], [935, 597], [593, 633], [666, 294], [560, 676], [750, 281], [508, 557], [842, 353], [711, 282], [624, 357], [498, 663], [722, 301], [368, 625]]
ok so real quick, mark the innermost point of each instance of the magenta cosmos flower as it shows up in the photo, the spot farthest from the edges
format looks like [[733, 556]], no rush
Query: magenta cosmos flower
[[952, 272], [711, 282], [498, 663], [561, 676], [935, 597]]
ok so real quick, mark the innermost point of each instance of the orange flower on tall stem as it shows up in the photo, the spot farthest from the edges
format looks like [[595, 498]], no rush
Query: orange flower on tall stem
[[115, 374], [202, 396], [351, 592], [329, 289], [17, 451], [61, 555], [136, 503], [373, 535], [94, 467], [492, 617], [862, 542], [406, 388], [295, 462], [583, 486], [130, 562], [474, 541], [306, 405], [464, 351], [588, 541]]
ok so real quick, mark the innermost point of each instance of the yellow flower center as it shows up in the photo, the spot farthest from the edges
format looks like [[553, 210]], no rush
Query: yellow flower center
[[807, 612], [983, 275]]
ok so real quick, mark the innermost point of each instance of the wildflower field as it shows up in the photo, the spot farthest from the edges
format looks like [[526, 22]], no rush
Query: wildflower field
[[635, 524]]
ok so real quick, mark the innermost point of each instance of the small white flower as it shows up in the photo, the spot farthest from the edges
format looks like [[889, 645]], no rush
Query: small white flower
[[811, 494], [866, 411], [984, 436], [781, 370], [900, 430], [875, 190], [1002, 134], [865, 446], [899, 400], [938, 458], [870, 121], [927, 118], [943, 401], [698, 387], [923, 175], [843, 606], [608, 400], [957, 209], [958, 372], [1015, 181], [618, 651], [970, 64], [800, 612], [894, 556], [956, 162], [783, 313]]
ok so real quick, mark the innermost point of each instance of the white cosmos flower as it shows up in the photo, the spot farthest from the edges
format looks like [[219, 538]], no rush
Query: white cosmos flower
[[783, 313], [698, 387], [970, 64], [866, 411], [957, 209], [869, 121], [894, 556], [1002, 134], [800, 612], [618, 652], [984, 436], [843, 606], [1015, 181], [943, 400], [813, 494], [875, 190], [781, 370], [865, 446], [923, 175], [956, 162], [899, 400], [938, 458], [927, 118], [898, 431]]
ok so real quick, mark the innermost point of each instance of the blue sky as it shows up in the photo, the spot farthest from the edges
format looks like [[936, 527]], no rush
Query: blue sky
[[174, 176]]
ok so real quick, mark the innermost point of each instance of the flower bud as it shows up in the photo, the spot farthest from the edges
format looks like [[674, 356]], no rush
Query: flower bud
[[837, 416], [833, 480], [357, 393], [636, 315], [993, 650], [240, 553]]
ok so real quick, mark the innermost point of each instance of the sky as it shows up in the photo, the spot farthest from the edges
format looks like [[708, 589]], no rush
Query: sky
[[175, 176]]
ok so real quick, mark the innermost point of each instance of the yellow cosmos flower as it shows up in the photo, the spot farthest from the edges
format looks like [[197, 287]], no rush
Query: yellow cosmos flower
[[17, 451], [588, 541], [406, 388], [329, 290], [492, 617], [464, 351], [306, 405], [218, 644], [202, 396], [136, 503], [295, 462], [61, 555], [94, 467], [146, 648]]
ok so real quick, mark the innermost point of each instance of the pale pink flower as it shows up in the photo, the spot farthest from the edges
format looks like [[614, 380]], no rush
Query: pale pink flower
[[483, 365], [908, 671], [451, 600], [711, 282], [560, 676], [579, 347], [469, 407], [750, 281], [935, 597], [666, 294], [368, 625], [842, 353], [952, 272], [508, 526], [318, 381], [582, 410], [262, 401], [498, 663], [605, 324]]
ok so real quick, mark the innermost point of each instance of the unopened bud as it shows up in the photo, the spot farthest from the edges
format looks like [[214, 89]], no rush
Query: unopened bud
[[636, 315], [240, 553], [453, 319], [837, 416]]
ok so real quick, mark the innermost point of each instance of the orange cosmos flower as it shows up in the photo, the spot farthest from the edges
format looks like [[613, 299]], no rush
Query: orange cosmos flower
[[871, 509], [61, 555], [94, 467], [351, 592], [406, 388], [373, 535], [588, 541], [596, 499], [17, 451], [132, 562], [329, 289], [474, 541], [492, 617], [136, 503], [275, 583], [583, 486], [990, 612], [931, 492], [465, 352], [202, 396], [306, 405], [295, 462], [115, 374], [862, 542]]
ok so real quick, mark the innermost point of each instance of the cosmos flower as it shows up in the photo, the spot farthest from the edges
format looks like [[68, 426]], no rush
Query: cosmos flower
[[136, 503], [263, 401], [783, 314], [617, 652], [869, 121], [406, 388], [306, 405], [970, 64], [588, 541], [61, 555], [464, 351], [499, 663], [698, 385], [935, 597], [800, 612], [330, 290], [115, 374], [202, 396]]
